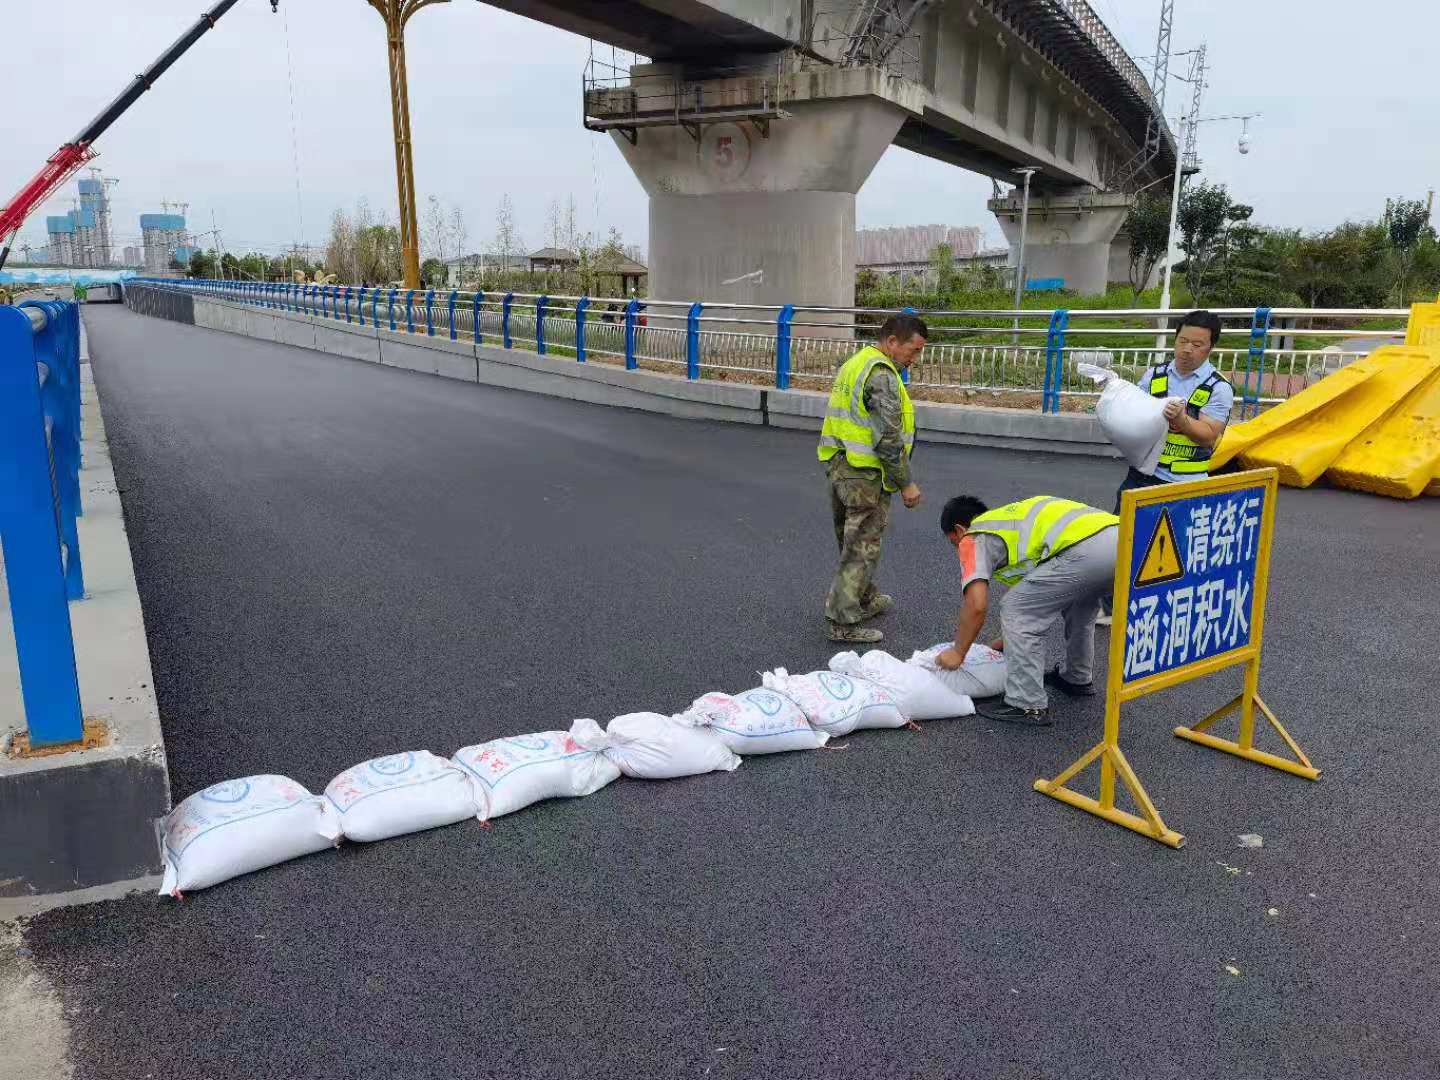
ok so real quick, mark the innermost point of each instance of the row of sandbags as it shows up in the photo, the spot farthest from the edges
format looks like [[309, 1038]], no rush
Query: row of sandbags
[[238, 826]]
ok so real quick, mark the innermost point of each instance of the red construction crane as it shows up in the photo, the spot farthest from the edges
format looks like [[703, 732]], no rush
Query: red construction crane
[[73, 154]]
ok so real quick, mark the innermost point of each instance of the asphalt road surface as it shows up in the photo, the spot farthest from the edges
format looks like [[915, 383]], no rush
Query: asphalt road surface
[[338, 560]]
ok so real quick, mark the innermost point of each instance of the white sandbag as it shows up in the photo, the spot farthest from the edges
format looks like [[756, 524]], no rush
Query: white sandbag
[[649, 746], [238, 826], [398, 794], [982, 675], [837, 703], [510, 774], [1134, 422], [915, 689], [758, 721]]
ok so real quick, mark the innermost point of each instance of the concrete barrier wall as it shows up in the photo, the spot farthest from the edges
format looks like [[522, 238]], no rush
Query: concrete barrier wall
[[606, 384]]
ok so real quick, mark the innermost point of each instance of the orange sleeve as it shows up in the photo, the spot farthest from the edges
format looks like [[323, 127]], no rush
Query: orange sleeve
[[966, 552]]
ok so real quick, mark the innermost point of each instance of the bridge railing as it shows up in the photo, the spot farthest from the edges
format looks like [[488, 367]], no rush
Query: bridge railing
[[39, 505], [1020, 359]]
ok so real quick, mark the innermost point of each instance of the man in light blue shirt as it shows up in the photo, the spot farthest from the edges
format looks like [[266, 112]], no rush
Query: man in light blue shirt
[[1197, 409]]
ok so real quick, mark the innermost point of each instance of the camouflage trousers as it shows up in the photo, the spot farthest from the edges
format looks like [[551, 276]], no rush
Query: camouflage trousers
[[861, 509]]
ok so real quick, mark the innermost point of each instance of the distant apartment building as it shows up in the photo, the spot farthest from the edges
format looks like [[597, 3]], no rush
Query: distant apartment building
[[913, 243], [132, 255], [96, 201], [163, 238], [74, 238]]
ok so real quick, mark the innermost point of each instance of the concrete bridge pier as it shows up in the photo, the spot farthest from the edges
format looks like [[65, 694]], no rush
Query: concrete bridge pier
[[768, 206], [1072, 235]]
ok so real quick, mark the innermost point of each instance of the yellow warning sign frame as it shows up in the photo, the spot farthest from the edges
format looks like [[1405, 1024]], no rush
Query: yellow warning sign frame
[[1107, 751]]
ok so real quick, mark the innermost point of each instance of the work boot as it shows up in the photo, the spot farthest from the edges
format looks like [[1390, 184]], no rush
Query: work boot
[[854, 634], [882, 603], [1065, 686], [1011, 715]]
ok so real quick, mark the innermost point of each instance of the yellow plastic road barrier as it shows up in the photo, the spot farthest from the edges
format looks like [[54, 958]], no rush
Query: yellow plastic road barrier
[[1240, 437], [1424, 325], [1304, 450], [1397, 456], [1191, 575]]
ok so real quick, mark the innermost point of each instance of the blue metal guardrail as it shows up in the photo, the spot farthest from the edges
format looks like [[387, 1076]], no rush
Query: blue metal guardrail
[[333, 301], [39, 505]]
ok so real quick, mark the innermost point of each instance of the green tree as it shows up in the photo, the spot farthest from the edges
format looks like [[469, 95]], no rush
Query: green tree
[[942, 265], [1148, 224], [434, 274], [1207, 214], [1405, 222], [203, 264]]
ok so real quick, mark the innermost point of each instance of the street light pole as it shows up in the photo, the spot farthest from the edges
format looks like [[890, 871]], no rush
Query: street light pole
[[396, 14], [1026, 172], [1170, 246]]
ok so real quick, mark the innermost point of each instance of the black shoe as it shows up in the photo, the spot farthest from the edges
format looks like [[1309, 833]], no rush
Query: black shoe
[[1065, 686], [1011, 715]]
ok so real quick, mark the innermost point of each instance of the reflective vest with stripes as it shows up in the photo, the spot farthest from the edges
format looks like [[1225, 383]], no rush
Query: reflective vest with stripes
[[1181, 454], [847, 420], [1038, 529]]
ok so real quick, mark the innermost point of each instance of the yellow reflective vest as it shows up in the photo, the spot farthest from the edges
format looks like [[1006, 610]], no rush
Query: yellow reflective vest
[[847, 420], [1038, 529], [1181, 454]]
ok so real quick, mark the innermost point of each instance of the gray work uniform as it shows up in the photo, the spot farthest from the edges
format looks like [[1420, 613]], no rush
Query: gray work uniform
[[1068, 586]]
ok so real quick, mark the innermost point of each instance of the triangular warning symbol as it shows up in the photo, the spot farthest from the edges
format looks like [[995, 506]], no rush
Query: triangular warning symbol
[[1162, 556]]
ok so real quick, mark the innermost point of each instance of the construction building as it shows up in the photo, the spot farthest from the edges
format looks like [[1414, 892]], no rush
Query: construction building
[[95, 199], [163, 238], [74, 238], [913, 243], [132, 255]]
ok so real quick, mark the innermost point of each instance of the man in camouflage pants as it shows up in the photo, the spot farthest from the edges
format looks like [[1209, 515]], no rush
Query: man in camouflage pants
[[866, 443]]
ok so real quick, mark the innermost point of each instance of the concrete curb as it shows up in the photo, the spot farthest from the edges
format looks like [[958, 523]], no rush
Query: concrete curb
[[85, 820], [606, 384]]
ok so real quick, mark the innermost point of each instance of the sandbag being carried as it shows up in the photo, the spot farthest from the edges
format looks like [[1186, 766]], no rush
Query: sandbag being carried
[[759, 721], [1134, 422], [398, 794], [982, 674], [837, 703], [238, 826], [509, 774], [915, 689], [649, 746]]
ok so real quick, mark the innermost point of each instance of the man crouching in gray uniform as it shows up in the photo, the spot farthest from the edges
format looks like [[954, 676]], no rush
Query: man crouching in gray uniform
[[1058, 557]]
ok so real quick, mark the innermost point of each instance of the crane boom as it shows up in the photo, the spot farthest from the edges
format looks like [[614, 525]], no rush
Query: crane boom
[[62, 164]]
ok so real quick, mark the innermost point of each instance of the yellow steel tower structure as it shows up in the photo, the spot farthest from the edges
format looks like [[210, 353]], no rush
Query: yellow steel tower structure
[[396, 14]]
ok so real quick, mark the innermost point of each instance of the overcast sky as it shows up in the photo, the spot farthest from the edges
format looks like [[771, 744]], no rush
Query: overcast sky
[[1348, 104]]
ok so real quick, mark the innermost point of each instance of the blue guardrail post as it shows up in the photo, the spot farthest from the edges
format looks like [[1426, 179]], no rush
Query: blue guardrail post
[[692, 340], [505, 318], [1054, 360], [581, 307], [1255, 362], [392, 308], [632, 312], [30, 532], [410, 311], [540, 304], [429, 313], [475, 313], [782, 347], [453, 294]]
